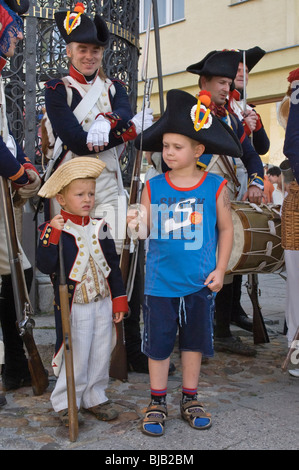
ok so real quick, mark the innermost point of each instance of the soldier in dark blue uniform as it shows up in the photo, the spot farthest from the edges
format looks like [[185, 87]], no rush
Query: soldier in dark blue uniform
[[25, 180], [96, 292], [252, 122], [289, 110], [103, 123], [255, 130], [291, 143], [217, 71]]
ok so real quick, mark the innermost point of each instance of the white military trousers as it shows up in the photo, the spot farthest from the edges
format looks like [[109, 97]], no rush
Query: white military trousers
[[91, 326], [292, 293]]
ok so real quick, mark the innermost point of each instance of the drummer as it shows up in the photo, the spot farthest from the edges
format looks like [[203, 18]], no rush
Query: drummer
[[253, 126], [217, 71]]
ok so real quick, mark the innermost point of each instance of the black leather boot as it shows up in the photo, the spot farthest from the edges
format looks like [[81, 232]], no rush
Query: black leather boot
[[239, 316], [15, 372], [224, 341]]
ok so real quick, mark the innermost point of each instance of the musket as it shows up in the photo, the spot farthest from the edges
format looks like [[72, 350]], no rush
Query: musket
[[23, 307], [294, 347], [260, 334], [244, 84], [245, 92], [128, 263], [68, 349]]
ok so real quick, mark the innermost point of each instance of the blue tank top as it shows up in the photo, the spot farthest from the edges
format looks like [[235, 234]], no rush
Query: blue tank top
[[183, 238]]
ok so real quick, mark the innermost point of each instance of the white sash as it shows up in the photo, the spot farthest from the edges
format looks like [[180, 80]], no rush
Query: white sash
[[82, 109]]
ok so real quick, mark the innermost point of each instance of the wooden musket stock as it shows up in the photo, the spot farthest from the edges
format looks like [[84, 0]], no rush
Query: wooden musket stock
[[118, 364], [24, 324], [68, 351], [260, 334]]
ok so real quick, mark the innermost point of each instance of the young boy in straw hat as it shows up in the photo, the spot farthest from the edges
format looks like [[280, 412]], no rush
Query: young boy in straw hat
[[183, 211], [93, 278]]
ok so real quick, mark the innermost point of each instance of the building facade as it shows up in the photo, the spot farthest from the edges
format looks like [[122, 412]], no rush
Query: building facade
[[189, 29]]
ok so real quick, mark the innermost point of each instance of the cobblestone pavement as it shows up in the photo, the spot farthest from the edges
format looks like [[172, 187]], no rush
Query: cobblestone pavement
[[254, 405]]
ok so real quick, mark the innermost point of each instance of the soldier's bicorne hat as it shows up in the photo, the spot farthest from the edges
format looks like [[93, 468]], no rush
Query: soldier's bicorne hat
[[217, 64], [10, 22], [18, 6], [252, 56], [75, 26], [191, 117]]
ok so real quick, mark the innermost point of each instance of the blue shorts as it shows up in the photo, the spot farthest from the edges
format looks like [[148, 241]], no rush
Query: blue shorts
[[192, 314]]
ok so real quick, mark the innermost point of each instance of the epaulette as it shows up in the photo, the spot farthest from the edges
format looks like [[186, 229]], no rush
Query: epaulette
[[53, 83], [119, 81]]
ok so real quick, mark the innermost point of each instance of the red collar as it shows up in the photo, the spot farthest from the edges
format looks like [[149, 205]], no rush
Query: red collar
[[2, 63], [235, 94], [78, 75], [76, 219]]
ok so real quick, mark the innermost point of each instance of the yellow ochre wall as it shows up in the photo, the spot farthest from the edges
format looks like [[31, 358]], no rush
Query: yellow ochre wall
[[210, 25]]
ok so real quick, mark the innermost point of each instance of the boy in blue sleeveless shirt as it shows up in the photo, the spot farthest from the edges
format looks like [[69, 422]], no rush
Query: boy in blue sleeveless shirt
[[186, 213]]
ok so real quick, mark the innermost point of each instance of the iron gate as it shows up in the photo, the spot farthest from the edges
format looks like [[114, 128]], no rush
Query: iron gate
[[42, 56]]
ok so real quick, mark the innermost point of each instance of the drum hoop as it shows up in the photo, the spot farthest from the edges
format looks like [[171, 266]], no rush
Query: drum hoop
[[247, 229], [247, 241]]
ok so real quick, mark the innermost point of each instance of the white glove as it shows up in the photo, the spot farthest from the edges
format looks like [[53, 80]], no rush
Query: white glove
[[31, 189], [148, 120], [98, 134]]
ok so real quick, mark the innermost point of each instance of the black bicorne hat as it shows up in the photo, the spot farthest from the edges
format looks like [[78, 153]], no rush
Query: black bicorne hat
[[75, 26], [183, 115], [252, 56], [217, 64], [18, 6]]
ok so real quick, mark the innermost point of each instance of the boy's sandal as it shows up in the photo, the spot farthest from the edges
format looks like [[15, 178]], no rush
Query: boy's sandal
[[194, 413], [153, 422]]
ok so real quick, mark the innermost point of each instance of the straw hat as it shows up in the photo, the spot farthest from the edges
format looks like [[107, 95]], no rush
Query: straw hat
[[77, 168]]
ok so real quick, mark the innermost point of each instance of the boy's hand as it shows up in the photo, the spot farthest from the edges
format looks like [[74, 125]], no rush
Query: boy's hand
[[135, 221], [118, 316], [57, 222], [214, 280]]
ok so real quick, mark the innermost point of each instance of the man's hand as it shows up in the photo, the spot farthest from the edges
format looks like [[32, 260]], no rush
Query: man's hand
[[251, 119], [31, 189], [147, 122], [254, 194], [98, 134]]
